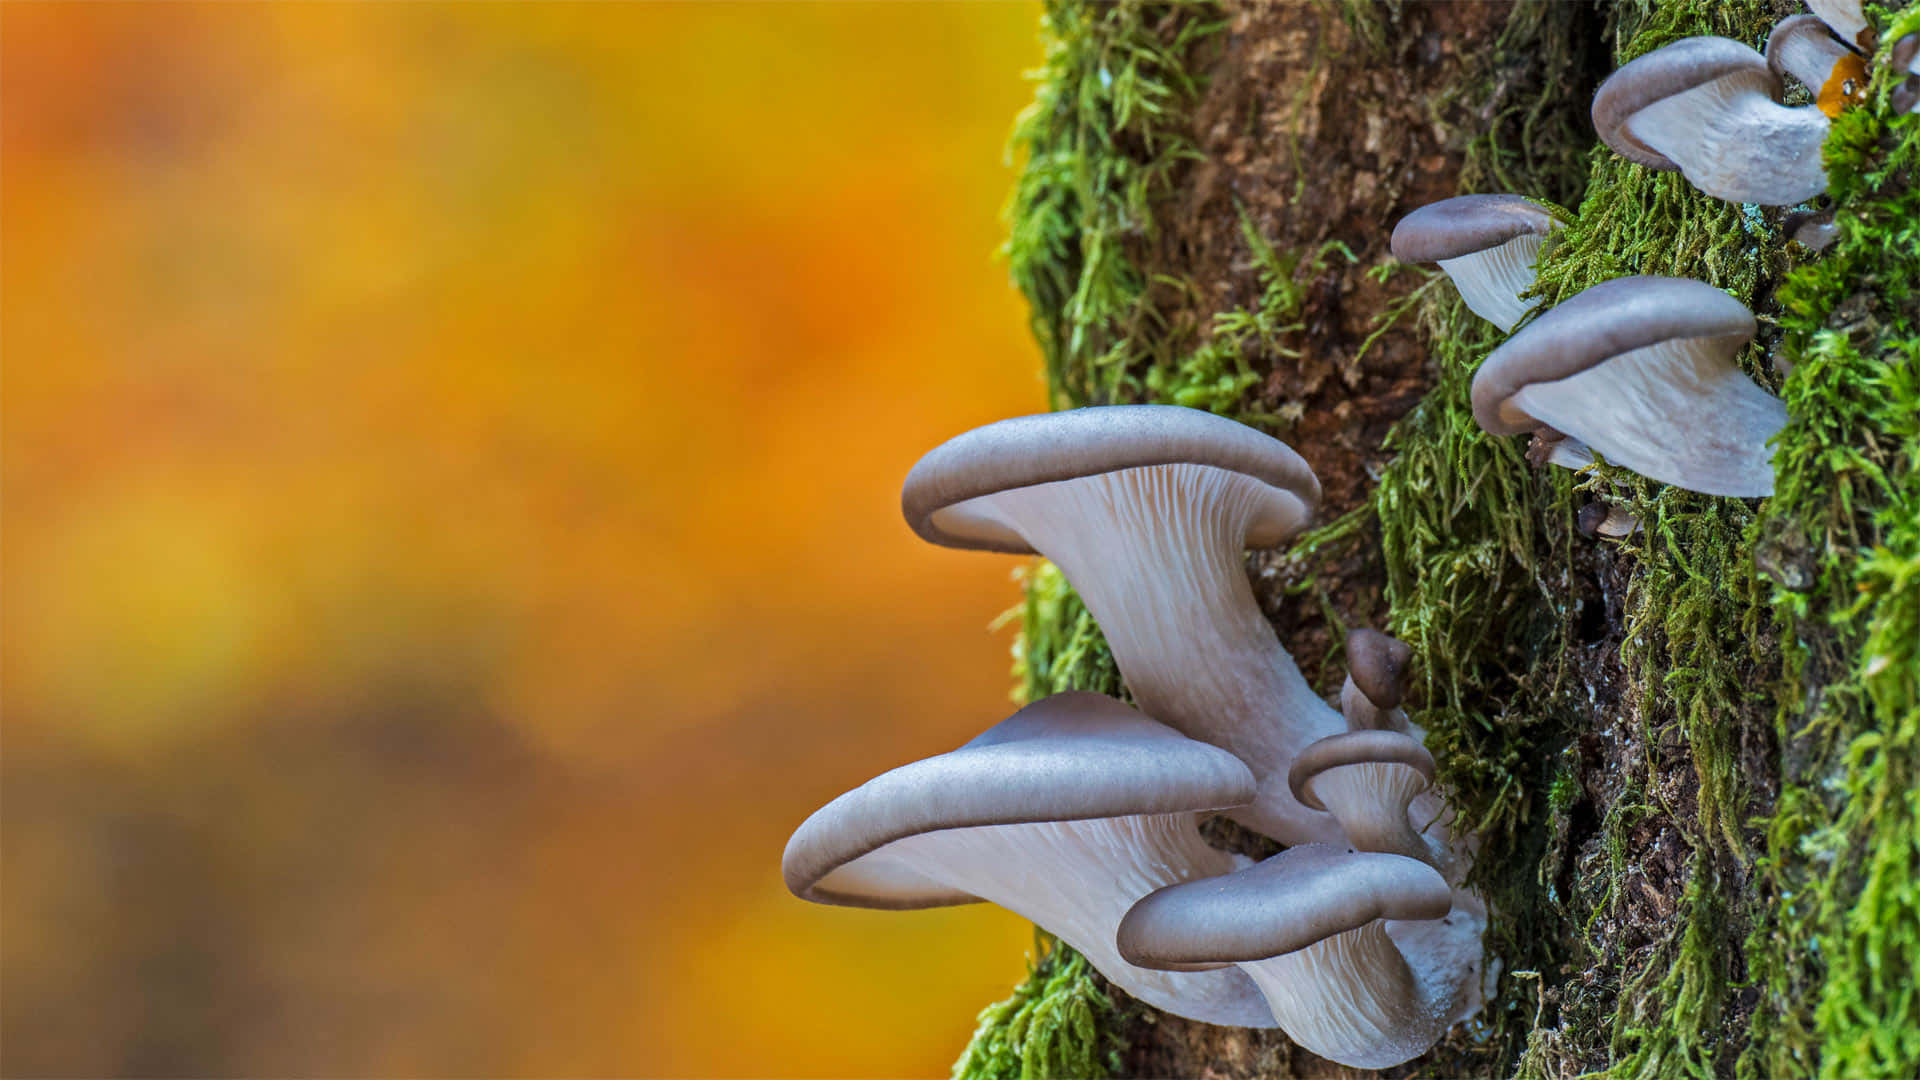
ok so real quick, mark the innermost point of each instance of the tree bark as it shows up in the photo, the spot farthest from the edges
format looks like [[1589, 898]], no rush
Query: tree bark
[[1662, 742]]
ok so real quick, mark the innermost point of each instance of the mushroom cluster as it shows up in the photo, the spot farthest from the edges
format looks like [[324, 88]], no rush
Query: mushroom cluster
[[1078, 807], [1712, 108], [1360, 938]]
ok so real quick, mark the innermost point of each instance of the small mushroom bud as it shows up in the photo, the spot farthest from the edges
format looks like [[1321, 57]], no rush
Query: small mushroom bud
[[1906, 54], [1811, 229], [1906, 97], [1599, 519]]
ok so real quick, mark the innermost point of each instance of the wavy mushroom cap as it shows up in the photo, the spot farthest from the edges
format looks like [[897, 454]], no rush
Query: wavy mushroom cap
[[1367, 780], [1049, 448], [1363, 958], [1357, 748], [1836, 75], [1709, 107], [1642, 370], [1487, 244], [1069, 757]]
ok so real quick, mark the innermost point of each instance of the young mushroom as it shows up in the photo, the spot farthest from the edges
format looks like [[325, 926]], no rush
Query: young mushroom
[[1147, 510], [1066, 812], [1488, 245], [1366, 780], [1710, 108], [1320, 929], [1641, 369], [1801, 47], [1376, 681]]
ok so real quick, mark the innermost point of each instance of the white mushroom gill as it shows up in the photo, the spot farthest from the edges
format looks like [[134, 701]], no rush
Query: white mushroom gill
[[1491, 281], [1354, 998], [1156, 554], [1077, 879], [1734, 142], [1370, 799], [1676, 412]]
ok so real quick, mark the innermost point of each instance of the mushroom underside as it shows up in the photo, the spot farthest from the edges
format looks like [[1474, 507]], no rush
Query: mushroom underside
[[1076, 879], [1491, 281], [1675, 412], [1156, 554], [1733, 141], [1370, 801]]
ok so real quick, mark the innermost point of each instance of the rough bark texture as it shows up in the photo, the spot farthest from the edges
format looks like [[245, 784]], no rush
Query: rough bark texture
[[1671, 746]]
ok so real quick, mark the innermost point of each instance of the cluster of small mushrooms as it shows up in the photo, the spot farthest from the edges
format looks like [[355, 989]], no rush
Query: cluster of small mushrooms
[[1359, 939]]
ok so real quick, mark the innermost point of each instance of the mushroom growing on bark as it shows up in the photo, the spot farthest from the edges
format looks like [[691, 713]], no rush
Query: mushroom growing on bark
[[1366, 780], [1488, 245], [1641, 369], [1836, 75], [1360, 955], [1147, 510], [1376, 681], [1710, 108], [1066, 812]]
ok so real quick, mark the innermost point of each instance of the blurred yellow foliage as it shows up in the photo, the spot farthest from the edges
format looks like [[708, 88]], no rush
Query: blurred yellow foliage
[[451, 455]]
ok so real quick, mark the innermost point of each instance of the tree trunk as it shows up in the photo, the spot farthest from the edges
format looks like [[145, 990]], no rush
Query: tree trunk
[[1689, 755]]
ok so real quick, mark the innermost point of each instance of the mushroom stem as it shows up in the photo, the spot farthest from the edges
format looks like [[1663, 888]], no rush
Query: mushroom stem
[[1077, 879], [1370, 800], [1658, 431], [1378, 1017], [1155, 552]]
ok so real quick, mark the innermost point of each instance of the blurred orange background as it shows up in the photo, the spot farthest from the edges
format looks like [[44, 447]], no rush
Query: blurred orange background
[[451, 463]]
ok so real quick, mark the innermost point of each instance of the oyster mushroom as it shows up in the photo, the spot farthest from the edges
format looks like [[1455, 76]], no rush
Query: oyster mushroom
[[1710, 108], [1367, 780], [1362, 956], [1836, 75], [1147, 510], [1487, 244], [1641, 369], [1066, 812], [1376, 681]]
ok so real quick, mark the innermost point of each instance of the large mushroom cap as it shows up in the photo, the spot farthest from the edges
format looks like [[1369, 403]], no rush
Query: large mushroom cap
[[1661, 74], [1303, 895], [1600, 323], [1049, 447], [1465, 225], [1070, 757]]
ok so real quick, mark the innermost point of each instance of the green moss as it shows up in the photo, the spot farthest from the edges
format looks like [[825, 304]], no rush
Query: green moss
[[1058, 1023], [1842, 539]]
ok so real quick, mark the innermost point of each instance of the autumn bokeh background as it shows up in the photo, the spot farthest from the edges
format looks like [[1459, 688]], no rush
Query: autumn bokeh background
[[451, 459]]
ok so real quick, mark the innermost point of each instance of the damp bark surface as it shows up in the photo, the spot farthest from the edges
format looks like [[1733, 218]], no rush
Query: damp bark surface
[[1647, 734]]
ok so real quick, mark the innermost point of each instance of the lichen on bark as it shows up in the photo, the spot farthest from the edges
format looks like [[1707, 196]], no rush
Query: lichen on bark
[[1690, 755]]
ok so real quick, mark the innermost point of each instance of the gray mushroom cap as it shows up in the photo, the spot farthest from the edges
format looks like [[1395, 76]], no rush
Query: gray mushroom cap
[[1069, 757], [1596, 325], [1641, 369], [1378, 664], [1466, 225], [1848, 19], [1367, 747], [1675, 69], [1050, 447], [1301, 896], [1710, 107]]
